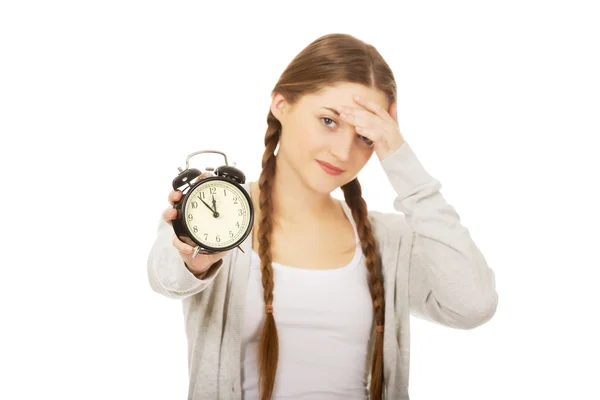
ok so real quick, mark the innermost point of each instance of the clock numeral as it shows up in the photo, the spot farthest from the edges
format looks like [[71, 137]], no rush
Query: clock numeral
[[237, 224], [218, 238], [195, 229], [206, 236], [194, 204], [230, 234], [213, 190], [202, 195], [241, 212], [190, 217], [224, 192], [235, 200]]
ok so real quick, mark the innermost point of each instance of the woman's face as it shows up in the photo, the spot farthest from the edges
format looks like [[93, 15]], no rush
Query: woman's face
[[311, 132]]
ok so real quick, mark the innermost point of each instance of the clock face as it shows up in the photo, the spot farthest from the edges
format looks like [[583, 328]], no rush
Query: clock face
[[231, 220]]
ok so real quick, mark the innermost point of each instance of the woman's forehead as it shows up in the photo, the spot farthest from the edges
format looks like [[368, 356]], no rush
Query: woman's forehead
[[342, 95]]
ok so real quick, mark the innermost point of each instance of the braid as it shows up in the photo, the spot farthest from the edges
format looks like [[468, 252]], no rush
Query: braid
[[327, 61], [353, 196], [268, 351]]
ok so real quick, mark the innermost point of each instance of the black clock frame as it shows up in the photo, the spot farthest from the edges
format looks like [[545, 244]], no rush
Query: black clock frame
[[181, 229]]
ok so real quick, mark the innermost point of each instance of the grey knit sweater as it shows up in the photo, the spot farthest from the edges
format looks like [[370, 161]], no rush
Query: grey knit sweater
[[432, 269]]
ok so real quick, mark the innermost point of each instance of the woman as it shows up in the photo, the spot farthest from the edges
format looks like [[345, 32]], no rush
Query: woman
[[319, 308]]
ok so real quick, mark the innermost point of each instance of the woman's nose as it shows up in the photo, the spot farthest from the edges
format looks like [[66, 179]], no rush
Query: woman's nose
[[341, 145]]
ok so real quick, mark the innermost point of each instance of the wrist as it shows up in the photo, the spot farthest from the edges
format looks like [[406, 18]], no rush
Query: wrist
[[207, 272]]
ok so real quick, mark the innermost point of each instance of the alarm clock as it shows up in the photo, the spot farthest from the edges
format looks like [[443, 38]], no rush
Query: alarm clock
[[216, 212]]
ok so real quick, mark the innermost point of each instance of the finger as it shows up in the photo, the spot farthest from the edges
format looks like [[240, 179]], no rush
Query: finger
[[394, 112], [204, 175], [183, 248], [363, 122], [188, 241], [169, 214], [175, 195], [373, 107], [358, 117]]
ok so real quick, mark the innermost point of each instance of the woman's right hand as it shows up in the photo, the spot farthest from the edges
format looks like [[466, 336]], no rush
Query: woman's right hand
[[199, 265]]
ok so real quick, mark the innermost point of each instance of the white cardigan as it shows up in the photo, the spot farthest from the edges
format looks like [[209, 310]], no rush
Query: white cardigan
[[432, 269]]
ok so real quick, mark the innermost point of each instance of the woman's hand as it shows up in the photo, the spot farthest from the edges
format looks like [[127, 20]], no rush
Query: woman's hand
[[376, 124], [202, 262]]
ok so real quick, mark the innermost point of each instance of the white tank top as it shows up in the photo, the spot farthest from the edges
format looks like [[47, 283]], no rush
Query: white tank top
[[324, 320]]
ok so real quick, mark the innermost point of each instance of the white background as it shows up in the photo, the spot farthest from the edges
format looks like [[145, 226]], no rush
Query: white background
[[100, 102]]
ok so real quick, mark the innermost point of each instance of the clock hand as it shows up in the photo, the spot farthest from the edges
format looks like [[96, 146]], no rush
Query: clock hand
[[215, 214], [214, 203], [209, 207]]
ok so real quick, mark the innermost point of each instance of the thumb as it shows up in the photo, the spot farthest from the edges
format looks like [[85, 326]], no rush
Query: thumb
[[393, 111]]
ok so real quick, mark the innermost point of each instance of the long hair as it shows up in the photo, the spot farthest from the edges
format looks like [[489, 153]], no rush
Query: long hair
[[330, 59]]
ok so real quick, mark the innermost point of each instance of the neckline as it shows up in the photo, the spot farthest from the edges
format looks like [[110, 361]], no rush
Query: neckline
[[327, 271], [350, 265]]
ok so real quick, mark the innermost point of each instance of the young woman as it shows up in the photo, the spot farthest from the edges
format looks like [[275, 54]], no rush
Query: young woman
[[319, 307]]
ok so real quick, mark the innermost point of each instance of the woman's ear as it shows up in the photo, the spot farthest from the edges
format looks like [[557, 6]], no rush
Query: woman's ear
[[278, 106]]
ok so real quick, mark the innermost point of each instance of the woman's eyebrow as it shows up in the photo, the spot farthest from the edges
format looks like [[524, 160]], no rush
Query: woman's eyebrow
[[333, 110]]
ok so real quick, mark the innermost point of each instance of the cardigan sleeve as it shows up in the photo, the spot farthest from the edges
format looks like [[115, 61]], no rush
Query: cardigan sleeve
[[449, 280], [167, 273]]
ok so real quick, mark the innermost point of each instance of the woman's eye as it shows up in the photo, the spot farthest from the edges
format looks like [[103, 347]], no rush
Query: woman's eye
[[328, 121], [368, 141]]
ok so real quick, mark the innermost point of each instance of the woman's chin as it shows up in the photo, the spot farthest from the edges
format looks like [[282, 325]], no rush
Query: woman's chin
[[325, 184]]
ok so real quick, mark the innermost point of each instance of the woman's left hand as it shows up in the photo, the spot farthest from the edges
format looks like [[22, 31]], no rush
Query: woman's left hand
[[376, 124]]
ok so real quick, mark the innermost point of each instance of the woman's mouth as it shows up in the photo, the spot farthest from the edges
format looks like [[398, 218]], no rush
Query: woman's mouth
[[330, 169]]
